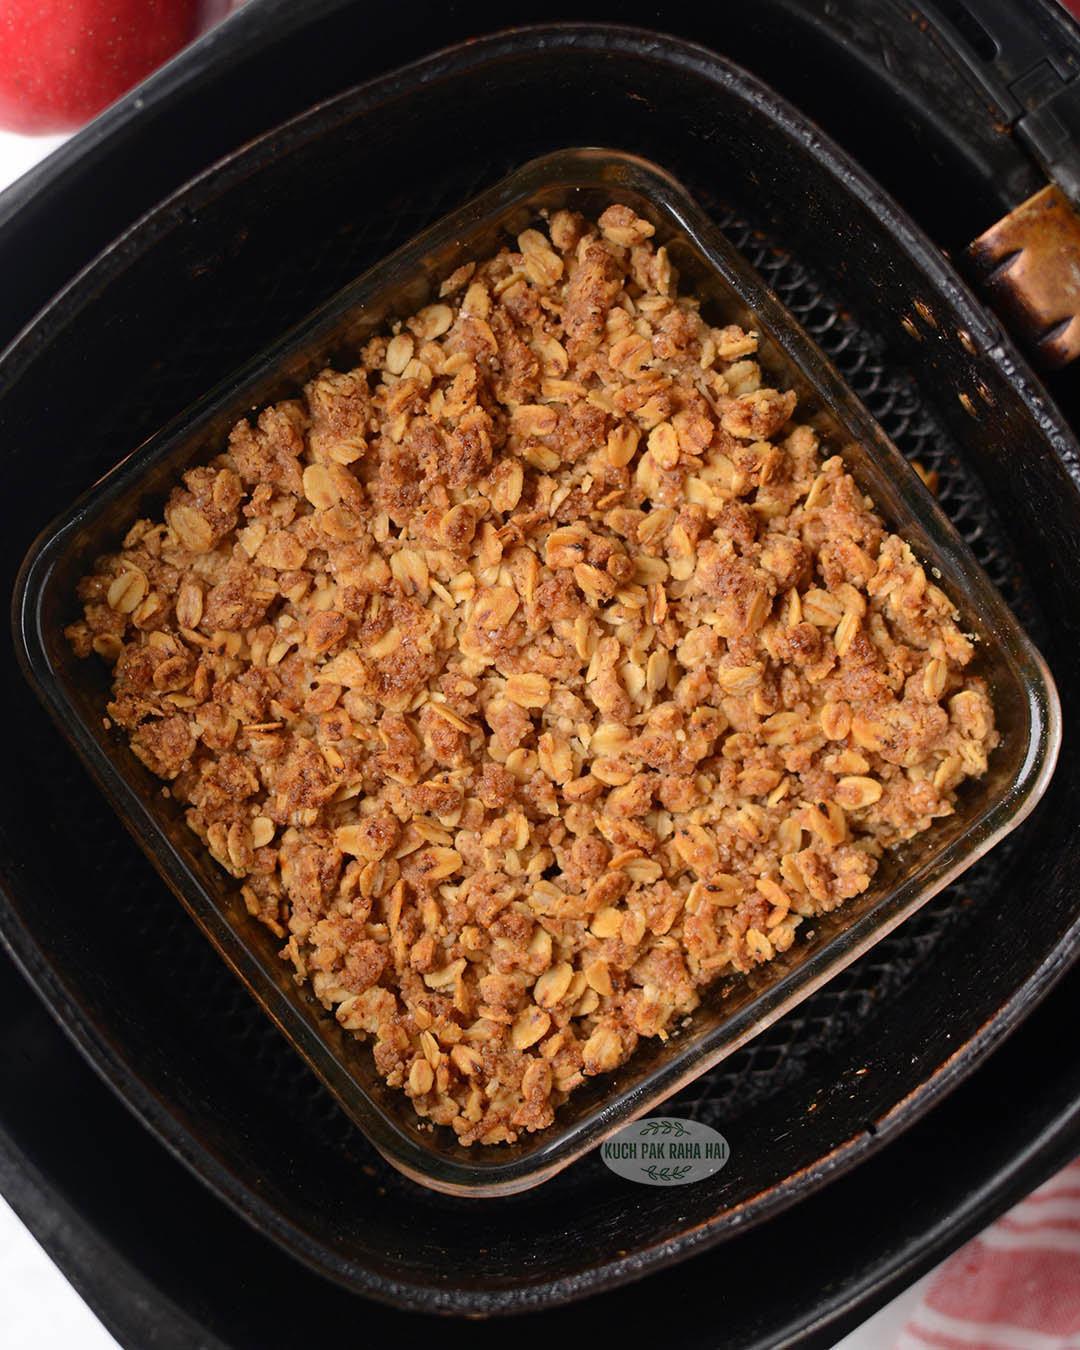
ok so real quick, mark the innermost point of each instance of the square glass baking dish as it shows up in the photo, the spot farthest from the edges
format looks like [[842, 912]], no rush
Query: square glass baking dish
[[734, 1009]]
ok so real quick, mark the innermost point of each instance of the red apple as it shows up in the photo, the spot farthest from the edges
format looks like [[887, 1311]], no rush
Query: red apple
[[62, 61]]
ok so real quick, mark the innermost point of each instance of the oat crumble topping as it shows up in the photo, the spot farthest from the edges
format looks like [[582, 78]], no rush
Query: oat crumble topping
[[535, 673]]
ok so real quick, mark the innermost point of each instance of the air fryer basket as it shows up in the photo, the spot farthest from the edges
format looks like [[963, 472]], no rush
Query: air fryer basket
[[249, 250]]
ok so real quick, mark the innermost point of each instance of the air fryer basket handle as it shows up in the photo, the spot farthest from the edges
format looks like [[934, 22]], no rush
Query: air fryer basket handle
[[1022, 54], [1023, 57]]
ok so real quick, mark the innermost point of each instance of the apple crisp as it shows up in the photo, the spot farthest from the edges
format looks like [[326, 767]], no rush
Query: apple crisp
[[535, 673]]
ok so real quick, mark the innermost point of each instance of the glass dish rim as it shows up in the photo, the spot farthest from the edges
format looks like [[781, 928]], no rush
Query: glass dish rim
[[555, 1147]]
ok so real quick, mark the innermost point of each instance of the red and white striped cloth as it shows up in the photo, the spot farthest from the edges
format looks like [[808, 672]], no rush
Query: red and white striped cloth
[[1014, 1287]]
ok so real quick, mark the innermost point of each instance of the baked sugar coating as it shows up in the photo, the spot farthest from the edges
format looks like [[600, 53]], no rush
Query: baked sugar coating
[[535, 673]]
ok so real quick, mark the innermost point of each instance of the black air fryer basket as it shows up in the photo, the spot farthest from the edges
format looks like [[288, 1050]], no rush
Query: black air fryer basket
[[223, 267]]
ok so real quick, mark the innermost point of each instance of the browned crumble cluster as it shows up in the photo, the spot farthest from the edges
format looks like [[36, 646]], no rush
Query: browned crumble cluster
[[535, 673]]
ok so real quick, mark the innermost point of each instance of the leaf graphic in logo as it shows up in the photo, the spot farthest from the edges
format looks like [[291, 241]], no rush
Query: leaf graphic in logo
[[666, 1173]]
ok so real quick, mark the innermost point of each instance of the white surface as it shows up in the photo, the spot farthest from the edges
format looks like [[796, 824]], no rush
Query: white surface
[[38, 1308], [19, 153]]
